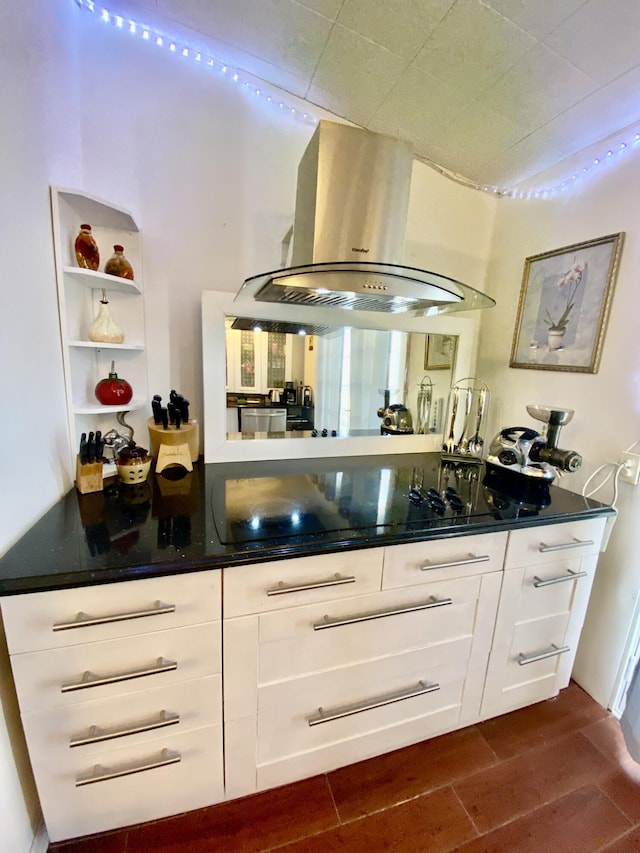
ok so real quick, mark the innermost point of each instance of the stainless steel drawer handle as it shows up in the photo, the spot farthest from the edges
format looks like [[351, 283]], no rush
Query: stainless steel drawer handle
[[334, 622], [575, 543], [466, 561], [323, 716], [83, 620], [90, 679], [97, 735], [570, 576], [523, 660], [282, 588], [101, 774]]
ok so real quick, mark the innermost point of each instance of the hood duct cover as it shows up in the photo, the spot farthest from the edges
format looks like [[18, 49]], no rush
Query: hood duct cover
[[348, 235]]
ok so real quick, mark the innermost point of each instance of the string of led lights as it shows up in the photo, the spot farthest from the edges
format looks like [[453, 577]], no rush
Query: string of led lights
[[152, 35]]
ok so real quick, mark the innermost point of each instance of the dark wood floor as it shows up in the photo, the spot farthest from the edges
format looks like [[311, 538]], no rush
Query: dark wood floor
[[552, 777]]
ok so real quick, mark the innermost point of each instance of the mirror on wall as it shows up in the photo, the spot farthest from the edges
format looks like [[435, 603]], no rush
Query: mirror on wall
[[333, 377], [339, 381]]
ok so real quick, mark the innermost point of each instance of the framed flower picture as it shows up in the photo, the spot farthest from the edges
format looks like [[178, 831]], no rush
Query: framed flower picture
[[564, 306], [439, 352]]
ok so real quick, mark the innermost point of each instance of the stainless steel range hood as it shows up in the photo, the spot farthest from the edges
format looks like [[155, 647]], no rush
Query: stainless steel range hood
[[348, 234]]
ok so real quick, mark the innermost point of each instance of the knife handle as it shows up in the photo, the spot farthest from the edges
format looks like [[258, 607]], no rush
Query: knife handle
[[99, 446], [83, 451], [164, 416], [91, 448]]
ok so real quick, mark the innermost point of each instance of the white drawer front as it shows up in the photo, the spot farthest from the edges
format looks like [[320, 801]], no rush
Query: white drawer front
[[573, 539], [121, 610], [41, 676], [65, 736], [193, 782], [335, 634], [551, 588], [439, 559], [284, 709], [302, 580]]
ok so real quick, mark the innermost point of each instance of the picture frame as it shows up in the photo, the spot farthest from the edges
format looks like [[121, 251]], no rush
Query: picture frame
[[564, 305], [439, 352]]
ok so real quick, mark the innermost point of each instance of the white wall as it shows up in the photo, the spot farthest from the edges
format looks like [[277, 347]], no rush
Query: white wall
[[607, 404], [40, 144]]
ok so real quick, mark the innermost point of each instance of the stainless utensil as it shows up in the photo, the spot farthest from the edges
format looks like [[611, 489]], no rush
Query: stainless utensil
[[475, 442], [450, 443], [462, 444]]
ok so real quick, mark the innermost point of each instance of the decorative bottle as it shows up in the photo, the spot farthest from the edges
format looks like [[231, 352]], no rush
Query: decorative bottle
[[118, 264], [86, 248], [104, 329], [113, 391]]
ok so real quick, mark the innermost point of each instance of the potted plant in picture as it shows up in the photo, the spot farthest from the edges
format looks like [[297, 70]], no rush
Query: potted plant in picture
[[569, 284]]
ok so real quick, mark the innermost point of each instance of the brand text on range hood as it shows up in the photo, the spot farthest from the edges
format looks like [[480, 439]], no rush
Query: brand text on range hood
[[348, 236]]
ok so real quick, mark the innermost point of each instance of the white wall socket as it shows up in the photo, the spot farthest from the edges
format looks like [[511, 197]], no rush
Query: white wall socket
[[631, 471]]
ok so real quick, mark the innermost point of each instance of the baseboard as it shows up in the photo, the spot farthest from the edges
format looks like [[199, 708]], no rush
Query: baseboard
[[40, 843]]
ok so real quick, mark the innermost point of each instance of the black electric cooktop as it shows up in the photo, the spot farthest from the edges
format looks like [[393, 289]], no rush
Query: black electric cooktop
[[351, 495]]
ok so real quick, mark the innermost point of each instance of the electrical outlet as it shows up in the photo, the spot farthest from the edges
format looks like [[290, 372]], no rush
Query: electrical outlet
[[631, 471]]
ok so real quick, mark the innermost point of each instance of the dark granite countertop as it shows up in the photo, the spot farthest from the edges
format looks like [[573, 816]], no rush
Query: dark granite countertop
[[233, 513]]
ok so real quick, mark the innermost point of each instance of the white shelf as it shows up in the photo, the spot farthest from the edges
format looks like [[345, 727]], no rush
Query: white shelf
[[98, 409], [96, 279], [86, 362], [104, 345]]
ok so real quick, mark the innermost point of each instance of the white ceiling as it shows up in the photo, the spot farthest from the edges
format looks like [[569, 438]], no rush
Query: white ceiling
[[493, 90]]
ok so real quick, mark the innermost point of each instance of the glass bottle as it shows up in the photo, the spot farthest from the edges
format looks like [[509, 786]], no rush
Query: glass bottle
[[104, 329], [86, 248], [118, 264]]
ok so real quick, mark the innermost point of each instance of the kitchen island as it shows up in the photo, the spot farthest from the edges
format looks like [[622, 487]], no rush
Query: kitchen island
[[368, 604]]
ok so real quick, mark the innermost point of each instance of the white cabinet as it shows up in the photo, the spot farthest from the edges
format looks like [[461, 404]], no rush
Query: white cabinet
[[258, 361], [332, 659], [548, 576], [120, 694], [79, 295]]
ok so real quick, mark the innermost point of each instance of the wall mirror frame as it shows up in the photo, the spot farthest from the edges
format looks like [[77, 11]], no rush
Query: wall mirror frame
[[217, 306]]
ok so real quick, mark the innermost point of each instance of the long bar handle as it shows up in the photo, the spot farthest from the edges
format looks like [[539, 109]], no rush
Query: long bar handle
[[335, 622], [523, 660], [575, 543], [97, 735], [570, 576], [337, 580], [472, 558], [83, 620], [323, 716], [100, 774], [89, 679]]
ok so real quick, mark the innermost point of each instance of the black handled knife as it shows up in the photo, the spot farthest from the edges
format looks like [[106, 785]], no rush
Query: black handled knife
[[91, 448], [83, 451], [99, 446]]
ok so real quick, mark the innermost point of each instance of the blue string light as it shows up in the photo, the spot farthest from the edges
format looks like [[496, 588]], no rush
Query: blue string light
[[237, 76]]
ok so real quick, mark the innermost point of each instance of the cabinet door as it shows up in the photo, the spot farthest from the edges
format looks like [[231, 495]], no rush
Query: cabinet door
[[540, 617], [302, 580], [66, 617], [257, 361], [166, 776], [59, 677]]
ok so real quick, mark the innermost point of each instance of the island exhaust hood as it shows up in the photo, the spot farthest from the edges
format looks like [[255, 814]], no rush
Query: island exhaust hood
[[348, 233]]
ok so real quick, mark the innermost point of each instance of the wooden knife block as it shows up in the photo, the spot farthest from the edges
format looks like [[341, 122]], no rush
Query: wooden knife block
[[88, 477], [188, 434]]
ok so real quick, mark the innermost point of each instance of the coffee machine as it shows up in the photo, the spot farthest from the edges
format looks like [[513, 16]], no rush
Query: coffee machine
[[525, 453]]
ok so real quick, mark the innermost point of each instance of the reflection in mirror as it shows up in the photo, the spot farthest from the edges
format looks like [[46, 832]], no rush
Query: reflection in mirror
[[285, 380]]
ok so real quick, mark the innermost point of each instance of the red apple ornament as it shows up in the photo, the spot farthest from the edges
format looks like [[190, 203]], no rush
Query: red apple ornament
[[113, 391]]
